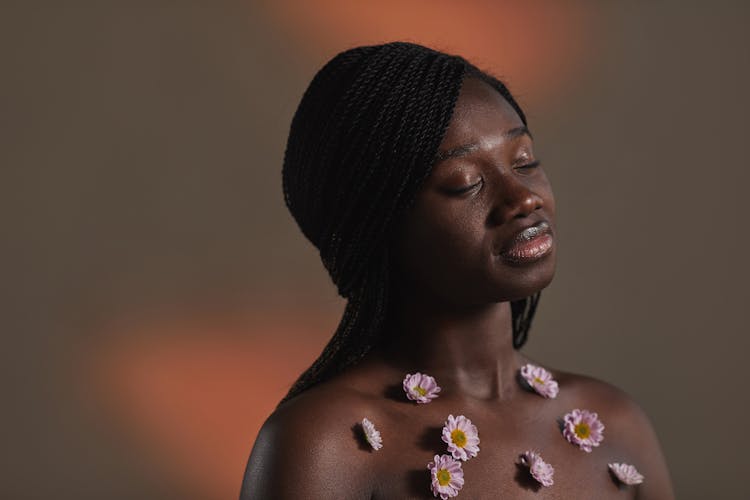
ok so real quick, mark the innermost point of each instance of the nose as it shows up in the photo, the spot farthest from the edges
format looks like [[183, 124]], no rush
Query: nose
[[514, 199]]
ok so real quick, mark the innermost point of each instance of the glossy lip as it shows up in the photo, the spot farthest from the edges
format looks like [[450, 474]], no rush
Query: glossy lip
[[534, 233]]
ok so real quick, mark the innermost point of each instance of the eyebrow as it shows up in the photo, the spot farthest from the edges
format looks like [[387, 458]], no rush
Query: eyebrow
[[465, 149]]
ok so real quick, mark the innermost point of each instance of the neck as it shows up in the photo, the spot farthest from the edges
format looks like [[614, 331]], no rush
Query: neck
[[469, 351]]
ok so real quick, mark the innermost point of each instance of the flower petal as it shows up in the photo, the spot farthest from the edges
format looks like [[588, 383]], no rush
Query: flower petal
[[447, 476], [371, 434], [626, 473], [540, 470], [461, 436], [420, 387], [583, 428], [539, 380]]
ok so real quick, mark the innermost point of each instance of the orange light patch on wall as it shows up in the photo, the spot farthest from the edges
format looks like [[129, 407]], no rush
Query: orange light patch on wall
[[192, 395], [536, 47]]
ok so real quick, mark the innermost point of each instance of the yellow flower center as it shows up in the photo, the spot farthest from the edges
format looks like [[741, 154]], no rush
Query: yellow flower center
[[582, 430], [443, 477], [419, 390], [458, 437], [538, 380]]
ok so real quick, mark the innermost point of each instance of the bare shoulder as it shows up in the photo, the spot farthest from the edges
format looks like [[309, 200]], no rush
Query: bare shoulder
[[627, 428], [311, 447], [606, 397]]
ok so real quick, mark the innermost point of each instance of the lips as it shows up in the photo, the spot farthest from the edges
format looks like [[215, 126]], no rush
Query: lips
[[530, 244]]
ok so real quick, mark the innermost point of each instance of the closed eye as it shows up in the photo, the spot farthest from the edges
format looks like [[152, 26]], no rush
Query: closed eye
[[533, 164], [466, 189]]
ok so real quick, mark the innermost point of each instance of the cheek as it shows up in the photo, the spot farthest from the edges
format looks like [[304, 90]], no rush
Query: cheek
[[444, 246]]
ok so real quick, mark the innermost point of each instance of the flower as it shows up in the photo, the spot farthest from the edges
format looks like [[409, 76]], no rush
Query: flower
[[626, 474], [462, 437], [583, 428], [372, 435], [420, 388], [540, 380], [447, 476], [538, 468]]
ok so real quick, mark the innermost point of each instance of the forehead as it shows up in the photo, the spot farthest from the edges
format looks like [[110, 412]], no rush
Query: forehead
[[481, 115]]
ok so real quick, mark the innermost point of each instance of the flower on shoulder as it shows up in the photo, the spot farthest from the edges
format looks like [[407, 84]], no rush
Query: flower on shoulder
[[372, 435], [461, 436], [447, 476], [538, 468], [420, 387], [540, 380], [583, 428], [626, 474]]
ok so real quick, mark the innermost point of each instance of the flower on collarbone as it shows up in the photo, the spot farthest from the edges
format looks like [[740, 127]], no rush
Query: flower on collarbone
[[583, 428], [372, 435], [626, 473], [447, 476], [461, 436], [420, 387], [540, 380], [538, 468]]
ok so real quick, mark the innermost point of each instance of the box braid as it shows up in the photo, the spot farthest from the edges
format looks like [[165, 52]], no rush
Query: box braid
[[361, 143]]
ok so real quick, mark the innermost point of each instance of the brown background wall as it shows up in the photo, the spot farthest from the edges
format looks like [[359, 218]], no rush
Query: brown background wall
[[159, 299]]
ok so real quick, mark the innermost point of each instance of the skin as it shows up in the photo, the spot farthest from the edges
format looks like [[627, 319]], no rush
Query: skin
[[451, 318]]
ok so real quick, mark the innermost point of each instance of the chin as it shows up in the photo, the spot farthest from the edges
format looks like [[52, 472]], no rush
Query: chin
[[518, 282]]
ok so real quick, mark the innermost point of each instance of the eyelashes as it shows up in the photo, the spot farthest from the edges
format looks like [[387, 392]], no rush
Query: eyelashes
[[466, 189], [526, 166], [531, 165]]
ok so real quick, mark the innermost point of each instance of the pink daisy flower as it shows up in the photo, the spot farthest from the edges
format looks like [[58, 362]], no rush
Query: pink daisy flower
[[461, 436], [372, 435], [583, 428], [540, 380], [538, 468], [447, 476], [626, 474], [420, 388]]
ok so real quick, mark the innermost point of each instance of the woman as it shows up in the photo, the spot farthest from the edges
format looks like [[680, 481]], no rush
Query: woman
[[414, 175]]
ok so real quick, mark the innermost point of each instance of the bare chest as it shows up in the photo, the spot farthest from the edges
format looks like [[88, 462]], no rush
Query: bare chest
[[401, 470], [496, 475]]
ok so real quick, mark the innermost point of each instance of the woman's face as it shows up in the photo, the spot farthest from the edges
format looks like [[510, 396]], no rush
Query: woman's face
[[484, 189]]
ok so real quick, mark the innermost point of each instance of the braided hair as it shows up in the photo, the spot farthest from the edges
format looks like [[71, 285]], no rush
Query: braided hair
[[362, 141]]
